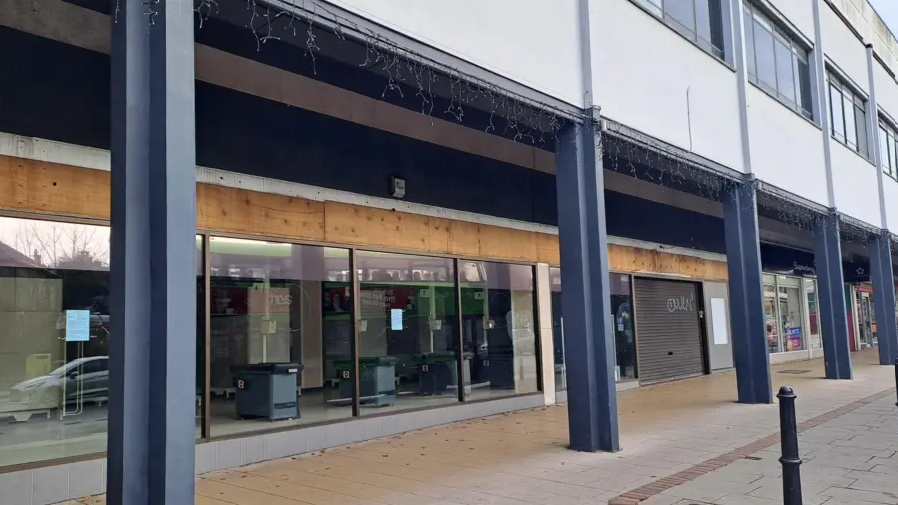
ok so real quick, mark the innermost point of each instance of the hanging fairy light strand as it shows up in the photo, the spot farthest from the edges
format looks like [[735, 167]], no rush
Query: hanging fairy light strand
[[412, 75]]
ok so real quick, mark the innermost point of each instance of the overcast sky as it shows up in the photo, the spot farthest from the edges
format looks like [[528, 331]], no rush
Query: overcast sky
[[888, 10]]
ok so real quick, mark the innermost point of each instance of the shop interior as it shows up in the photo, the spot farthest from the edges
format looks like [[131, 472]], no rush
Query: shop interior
[[624, 335], [278, 327], [783, 314], [408, 340], [54, 336], [866, 318]]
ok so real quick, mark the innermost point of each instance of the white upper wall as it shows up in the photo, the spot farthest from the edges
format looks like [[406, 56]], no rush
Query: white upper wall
[[864, 19], [855, 186], [886, 91], [652, 79], [522, 40], [799, 12], [786, 149], [890, 189], [648, 77], [843, 47]]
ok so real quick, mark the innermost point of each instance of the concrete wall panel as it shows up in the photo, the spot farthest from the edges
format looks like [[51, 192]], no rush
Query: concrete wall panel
[[843, 47], [530, 41], [855, 185], [650, 78], [786, 149]]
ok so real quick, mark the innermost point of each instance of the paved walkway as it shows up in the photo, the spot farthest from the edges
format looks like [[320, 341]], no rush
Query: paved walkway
[[683, 442], [850, 459]]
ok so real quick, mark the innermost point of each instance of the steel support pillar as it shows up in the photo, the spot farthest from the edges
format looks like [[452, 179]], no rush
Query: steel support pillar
[[585, 297], [831, 292], [881, 273], [743, 249], [153, 264]]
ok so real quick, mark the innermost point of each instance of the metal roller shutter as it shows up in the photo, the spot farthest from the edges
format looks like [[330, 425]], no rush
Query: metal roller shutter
[[668, 331]]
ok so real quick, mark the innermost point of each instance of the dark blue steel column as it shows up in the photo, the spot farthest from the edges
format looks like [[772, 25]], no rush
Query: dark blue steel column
[[881, 273], [153, 276], [743, 248], [585, 297], [831, 291]]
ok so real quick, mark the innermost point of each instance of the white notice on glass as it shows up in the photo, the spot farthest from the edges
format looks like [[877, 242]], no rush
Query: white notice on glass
[[719, 319], [396, 319]]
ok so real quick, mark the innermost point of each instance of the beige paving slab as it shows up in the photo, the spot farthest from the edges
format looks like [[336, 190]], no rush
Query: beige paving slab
[[521, 458], [859, 474], [861, 496]]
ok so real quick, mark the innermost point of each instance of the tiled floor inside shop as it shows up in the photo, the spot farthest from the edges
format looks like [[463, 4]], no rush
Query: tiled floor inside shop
[[521, 458]]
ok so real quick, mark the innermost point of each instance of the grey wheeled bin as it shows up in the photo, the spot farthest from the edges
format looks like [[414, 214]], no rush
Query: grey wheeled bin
[[266, 390], [377, 380]]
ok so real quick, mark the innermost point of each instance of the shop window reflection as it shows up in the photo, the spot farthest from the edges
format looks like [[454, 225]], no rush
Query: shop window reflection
[[557, 329], [866, 323], [784, 313], [54, 355], [498, 328], [624, 338], [623, 328], [771, 319], [813, 316], [200, 335], [408, 340], [791, 313], [279, 327]]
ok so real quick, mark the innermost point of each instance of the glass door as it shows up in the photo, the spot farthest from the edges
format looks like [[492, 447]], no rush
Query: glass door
[[784, 313], [813, 316], [557, 329], [865, 318], [791, 313], [770, 315]]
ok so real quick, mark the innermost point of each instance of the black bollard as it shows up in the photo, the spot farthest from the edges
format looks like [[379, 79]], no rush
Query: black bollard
[[789, 439]]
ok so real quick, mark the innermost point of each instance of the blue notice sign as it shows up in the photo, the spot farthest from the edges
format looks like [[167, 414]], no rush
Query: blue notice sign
[[77, 325]]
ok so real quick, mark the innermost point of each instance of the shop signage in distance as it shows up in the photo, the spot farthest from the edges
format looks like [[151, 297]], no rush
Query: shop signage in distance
[[796, 267]]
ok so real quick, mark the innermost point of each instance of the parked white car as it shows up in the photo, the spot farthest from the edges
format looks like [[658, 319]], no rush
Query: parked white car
[[85, 378]]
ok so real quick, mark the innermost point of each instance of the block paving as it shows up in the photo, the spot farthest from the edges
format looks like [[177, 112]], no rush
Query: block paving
[[684, 442]]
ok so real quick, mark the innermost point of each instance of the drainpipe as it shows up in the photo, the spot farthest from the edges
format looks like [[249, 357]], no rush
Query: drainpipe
[[820, 73], [584, 26], [873, 127], [737, 23]]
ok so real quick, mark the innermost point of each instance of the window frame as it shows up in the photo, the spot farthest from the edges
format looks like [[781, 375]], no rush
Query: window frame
[[656, 8], [888, 140], [355, 286], [849, 97], [755, 15]]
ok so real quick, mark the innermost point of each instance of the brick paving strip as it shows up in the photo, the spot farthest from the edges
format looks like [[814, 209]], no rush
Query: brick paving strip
[[646, 491]]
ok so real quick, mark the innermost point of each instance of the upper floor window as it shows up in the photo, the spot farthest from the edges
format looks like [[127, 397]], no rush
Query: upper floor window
[[776, 62], [888, 148], [701, 21], [849, 117]]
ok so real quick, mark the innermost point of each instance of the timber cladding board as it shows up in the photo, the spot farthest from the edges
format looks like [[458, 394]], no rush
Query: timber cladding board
[[241, 211], [49, 188]]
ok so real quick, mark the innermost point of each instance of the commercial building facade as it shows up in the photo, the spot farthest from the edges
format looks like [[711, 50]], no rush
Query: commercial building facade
[[345, 222]]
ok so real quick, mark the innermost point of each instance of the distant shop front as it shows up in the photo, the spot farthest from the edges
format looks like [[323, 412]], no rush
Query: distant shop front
[[665, 327], [791, 304]]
